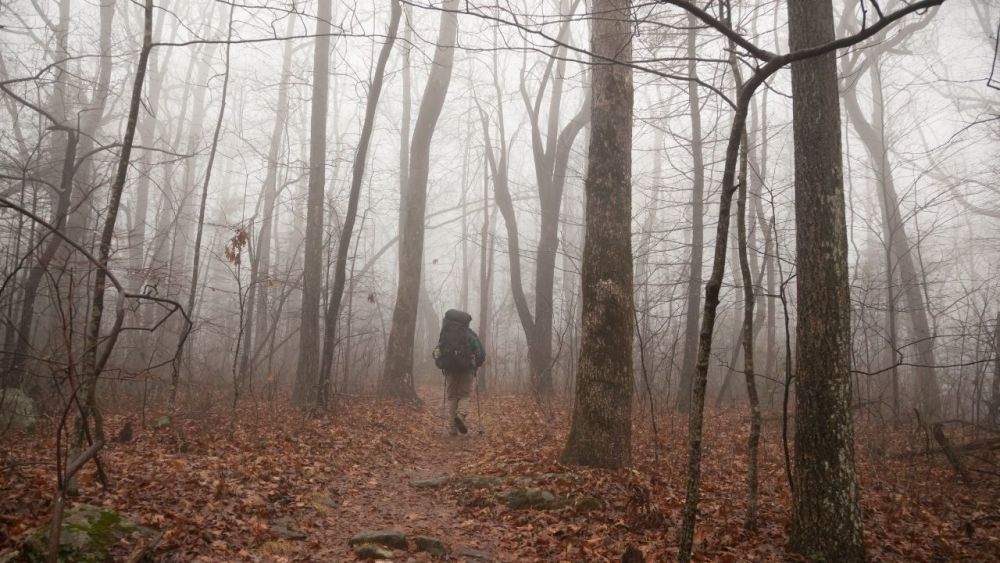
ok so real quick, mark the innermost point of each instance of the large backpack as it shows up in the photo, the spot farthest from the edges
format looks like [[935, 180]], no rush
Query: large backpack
[[454, 351]]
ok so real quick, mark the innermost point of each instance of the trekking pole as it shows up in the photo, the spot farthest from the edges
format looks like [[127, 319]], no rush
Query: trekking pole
[[444, 401], [479, 411]]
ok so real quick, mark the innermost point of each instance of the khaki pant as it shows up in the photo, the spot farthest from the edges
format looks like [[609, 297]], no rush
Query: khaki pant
[[458, 388]]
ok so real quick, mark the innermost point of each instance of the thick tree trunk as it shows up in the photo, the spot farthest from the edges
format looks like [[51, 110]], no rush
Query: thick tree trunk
[[307, 374], [601, 428], [397, 377], [826, 517]]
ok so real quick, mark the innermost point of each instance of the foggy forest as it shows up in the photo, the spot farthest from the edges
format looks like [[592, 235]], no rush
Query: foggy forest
[[499, 280]]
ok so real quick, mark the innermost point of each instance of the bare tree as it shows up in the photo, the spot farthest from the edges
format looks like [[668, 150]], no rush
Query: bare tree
[[94, 360], [260, 270], [551, 153], [397, 377], [307, 374], [358, 176], [697, 224], [79, 141], [810, 47], [900, 251]]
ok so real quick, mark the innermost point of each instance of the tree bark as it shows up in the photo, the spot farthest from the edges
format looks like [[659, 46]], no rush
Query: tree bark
[[826, 517], [397, 376], [601, 426]]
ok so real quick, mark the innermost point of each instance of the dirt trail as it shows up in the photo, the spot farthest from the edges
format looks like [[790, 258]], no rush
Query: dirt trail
[[382, 495]]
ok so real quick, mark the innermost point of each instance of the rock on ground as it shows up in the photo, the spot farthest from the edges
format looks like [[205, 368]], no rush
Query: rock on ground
[[388, 538], [89, 534]]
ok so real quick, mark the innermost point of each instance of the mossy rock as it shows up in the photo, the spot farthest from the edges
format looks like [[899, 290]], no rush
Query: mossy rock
[[89, 534]]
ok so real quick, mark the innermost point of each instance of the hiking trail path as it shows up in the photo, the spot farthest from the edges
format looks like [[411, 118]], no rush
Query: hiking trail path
[[409, 495]]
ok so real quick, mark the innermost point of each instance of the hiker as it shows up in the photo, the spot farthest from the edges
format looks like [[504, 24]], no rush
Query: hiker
[[458, 355]]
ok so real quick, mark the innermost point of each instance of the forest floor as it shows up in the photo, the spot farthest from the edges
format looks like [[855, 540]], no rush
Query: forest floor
[[268, 483]]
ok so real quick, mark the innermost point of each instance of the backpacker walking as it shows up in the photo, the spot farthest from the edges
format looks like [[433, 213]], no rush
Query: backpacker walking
[[458, 354]]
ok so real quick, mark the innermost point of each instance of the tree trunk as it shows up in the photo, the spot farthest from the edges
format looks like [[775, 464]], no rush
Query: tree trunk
[[601, 428], [749, 300], [756, 180], [397, 376], [307, 374], [486, 280], [826, 518], [697, 227]]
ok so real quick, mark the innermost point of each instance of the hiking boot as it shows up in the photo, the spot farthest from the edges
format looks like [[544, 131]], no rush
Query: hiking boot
[[460, 424]]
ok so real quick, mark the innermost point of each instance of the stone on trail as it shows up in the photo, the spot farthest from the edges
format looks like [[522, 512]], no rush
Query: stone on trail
[[372, 551], [91, 534], [387, 538], [17, 410], [161, 422], [431, 545]]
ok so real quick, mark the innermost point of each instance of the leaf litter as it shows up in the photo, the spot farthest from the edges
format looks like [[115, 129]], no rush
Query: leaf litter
[[244, 486]]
